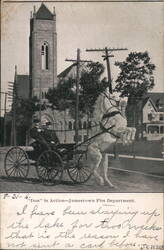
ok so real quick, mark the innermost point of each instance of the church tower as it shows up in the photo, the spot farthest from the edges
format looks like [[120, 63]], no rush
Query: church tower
[[42, 51]]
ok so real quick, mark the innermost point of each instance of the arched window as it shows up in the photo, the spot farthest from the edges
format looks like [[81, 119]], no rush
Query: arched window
[[44, 55], [74, 125], [84, 125], [80, 125], [70, 125], [89, 124], [65, 125]]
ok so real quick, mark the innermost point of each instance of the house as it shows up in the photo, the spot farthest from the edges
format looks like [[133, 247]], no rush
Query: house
[[153, 116], [147, 115]]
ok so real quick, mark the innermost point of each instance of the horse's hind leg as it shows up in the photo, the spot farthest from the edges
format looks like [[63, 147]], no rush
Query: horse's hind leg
[[105, 166], [95, 158], [133, 134]]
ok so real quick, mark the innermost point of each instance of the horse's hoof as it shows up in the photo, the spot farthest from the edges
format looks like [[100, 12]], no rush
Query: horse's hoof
[[111, 186], [100, 182]]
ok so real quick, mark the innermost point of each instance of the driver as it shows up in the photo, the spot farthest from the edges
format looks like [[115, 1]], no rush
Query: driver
[[37, 133], [50, 134]]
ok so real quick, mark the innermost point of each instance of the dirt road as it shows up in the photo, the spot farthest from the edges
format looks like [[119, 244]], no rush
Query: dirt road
[[124, 181]]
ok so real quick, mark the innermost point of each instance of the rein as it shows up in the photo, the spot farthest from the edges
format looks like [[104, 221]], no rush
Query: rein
[[100, 133]]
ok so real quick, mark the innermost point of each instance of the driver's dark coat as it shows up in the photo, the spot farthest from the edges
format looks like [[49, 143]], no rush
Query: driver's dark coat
[[44, 136]]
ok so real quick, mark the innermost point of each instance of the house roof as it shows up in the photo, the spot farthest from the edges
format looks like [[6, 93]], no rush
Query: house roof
[[43, 13], [149, 99], [155, 96], [157, 99]]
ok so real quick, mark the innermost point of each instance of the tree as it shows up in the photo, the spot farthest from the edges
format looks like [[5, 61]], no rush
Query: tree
[[134, 81], [136, 76], [25, 109], [90, 86]]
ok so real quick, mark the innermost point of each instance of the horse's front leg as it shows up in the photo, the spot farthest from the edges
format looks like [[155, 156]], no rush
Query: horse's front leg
[[95, 158], [104, 163]]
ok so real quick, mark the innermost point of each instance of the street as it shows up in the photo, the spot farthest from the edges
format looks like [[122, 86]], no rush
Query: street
[[127, 176]]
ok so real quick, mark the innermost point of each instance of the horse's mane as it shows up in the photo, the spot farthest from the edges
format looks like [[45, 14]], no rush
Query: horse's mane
[[98, 108]]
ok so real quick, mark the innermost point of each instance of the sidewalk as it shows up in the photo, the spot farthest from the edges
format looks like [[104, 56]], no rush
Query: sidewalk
[[5, 149]]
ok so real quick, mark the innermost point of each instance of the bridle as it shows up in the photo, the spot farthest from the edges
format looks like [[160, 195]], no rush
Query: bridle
[[110, 99], [108, 115]]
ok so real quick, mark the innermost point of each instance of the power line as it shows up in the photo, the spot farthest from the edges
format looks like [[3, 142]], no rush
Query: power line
[[78, 61], [108, 52]]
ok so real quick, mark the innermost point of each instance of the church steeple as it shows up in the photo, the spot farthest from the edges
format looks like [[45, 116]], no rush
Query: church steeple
[[43, 13], [43, 51]]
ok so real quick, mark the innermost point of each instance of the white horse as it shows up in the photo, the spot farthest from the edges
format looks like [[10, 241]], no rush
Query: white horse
[[106, 111]]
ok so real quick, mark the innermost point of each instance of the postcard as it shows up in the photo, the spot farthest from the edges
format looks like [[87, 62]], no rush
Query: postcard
[[82, 125]]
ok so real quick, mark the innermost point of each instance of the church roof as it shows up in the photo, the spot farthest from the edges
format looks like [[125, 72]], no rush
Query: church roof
[[71, 71], [66, 72], [44, 13]]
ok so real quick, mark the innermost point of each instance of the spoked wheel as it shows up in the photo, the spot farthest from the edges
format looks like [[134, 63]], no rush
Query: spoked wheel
[[79, 172], [16, 163], [49, 167]]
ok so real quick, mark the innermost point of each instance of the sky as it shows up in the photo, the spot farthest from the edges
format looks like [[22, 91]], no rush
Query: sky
[[137, 26]]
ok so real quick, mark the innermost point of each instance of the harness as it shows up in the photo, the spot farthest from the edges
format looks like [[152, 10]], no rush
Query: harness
[[107, 130], [111, 114]]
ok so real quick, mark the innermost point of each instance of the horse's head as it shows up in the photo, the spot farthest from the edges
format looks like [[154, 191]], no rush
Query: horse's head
[[111, 101], [105, 103]]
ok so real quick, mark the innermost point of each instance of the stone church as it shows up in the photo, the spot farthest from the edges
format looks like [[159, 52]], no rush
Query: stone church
[[42, 51], [43, 74]]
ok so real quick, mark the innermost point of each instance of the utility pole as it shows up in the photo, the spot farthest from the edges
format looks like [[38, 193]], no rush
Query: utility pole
[[13, 130], [5, 109], [78, 61], [4, 121], [108, 52], [40, 97]]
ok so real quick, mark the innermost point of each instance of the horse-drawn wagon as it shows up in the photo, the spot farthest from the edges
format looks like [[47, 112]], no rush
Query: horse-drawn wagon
[[51, 158]]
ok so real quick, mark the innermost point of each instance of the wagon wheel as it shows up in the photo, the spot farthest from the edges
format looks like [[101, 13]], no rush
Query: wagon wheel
[[16, 163], [79, 172], [49, 167]]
